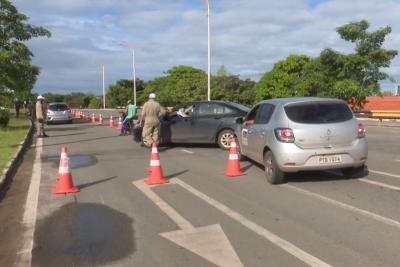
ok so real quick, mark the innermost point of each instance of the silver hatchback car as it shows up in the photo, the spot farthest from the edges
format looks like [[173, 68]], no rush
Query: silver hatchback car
[[300, 134], [58, 112]]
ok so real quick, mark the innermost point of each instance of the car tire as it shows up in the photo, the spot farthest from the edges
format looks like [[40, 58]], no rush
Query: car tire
[[224, 137], [273, 174], [353, 172]]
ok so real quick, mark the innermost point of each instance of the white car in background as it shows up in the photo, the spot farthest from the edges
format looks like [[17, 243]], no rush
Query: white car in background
[[58, 113]]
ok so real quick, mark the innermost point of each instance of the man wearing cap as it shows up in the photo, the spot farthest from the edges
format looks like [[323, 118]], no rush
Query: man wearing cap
[[40, 117], [151, 112]]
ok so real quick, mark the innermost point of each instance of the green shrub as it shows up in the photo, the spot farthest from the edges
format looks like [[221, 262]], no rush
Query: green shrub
[[4, 117]]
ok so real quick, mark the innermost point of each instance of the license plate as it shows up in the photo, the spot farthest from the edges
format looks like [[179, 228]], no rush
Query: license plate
[[330, 159]]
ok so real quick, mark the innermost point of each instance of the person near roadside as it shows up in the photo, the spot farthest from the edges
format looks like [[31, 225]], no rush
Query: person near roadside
[[150, 121], [40, 116], [17, 104], [130, 112]]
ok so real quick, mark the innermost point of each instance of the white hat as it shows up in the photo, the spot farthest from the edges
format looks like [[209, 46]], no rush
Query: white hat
[[152, 95], [40, 97]]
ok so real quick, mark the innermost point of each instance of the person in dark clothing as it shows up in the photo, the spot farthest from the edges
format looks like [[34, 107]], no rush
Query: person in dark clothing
[[17, 104]]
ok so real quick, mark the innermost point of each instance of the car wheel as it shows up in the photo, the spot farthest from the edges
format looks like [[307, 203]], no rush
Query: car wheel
[[272, 172], [353, 172], [224, 139]]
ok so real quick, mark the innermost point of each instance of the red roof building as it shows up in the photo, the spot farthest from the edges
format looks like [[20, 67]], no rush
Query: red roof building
[[382, 103]]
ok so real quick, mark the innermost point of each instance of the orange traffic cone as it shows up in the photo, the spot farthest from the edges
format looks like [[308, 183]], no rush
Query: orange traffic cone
[[119, 123], [64, 179], [156, 175], [93, 118], [111, 122], [233, 166], [100, 120]]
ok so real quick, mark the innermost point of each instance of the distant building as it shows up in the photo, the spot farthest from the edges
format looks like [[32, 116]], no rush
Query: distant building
[[398, 90]]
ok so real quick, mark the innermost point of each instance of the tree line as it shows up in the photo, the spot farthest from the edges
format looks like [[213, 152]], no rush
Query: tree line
[[351, 77]]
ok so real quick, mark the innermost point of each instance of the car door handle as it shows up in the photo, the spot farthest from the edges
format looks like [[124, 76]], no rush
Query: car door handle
[[263, 133], [217, 118]]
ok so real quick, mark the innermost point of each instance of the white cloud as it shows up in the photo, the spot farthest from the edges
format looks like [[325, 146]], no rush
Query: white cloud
[[248, 37]]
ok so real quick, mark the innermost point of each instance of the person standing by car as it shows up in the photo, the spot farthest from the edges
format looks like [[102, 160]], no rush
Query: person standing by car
[[131, 113], [40, 115], [151, 112]]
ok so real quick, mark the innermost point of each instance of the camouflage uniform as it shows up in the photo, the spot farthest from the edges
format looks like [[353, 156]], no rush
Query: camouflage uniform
[[151, 128], [40, 119]]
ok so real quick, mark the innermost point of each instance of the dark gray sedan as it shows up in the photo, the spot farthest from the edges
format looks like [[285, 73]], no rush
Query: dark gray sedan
[[202, 122]]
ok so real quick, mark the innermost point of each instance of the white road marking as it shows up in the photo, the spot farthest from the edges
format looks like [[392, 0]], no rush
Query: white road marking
[[187, 151], [29, 220], [380, 184], [385, 173], [167, 209], [366, 213], [283, 244], [209, 242]]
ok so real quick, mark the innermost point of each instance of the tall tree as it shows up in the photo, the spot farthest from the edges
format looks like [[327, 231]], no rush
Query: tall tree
[[118, 94], [350, 77], [16, 71]]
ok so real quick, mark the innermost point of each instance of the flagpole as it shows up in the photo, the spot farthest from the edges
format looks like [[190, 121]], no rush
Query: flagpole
[[209, 52]]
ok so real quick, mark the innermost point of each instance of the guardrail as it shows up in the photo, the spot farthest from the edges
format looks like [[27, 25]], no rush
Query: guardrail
[[379, 114], [386, 114]]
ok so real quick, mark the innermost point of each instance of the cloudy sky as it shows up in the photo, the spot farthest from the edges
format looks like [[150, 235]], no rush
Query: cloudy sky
[[248, 36]]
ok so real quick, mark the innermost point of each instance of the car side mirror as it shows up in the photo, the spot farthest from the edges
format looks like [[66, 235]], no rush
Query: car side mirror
[[239, 120]]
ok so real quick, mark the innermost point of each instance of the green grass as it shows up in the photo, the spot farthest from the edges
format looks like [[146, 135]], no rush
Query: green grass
[[10, 137]]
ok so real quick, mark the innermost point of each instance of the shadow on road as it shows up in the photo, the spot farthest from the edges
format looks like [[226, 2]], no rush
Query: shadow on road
[[176, 174], [83, 234], [96, 182]]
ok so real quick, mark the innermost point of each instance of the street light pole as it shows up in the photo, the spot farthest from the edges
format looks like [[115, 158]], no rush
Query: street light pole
[[134, 75], [209, 52], [104, 91]]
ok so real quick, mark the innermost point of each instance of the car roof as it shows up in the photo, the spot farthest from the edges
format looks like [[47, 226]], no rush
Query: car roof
[[290, 100], [57, 103], [232, 104]]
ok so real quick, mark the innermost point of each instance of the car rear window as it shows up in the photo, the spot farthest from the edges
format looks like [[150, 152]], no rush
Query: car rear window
[[318, 112], [58, 107]]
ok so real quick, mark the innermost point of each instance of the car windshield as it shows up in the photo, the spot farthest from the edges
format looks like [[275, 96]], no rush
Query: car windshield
[[318, 112], [58, 107]]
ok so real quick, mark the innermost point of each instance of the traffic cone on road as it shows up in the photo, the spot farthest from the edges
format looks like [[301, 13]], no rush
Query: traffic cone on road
[[64, 179], [119, 123], [156, 175], [233, 166], [111, 122], [93, 118], [100, 120]]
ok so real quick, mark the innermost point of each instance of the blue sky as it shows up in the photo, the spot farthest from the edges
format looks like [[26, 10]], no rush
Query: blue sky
[[248, 36]]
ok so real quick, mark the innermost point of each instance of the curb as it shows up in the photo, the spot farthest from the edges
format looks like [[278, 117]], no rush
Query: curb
[[13, 163]]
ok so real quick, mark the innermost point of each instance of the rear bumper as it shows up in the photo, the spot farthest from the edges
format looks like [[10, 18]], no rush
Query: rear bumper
[[51, 119], [291, 158]]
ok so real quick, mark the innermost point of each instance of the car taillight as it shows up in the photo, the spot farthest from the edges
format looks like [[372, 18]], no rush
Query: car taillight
[[361, 130], [284, 135]]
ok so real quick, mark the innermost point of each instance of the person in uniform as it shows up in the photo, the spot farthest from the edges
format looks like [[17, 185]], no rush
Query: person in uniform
[[40, 117], [151, 112]]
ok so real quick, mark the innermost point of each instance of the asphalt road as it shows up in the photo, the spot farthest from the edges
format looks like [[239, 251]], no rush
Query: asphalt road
[[201, 218]]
